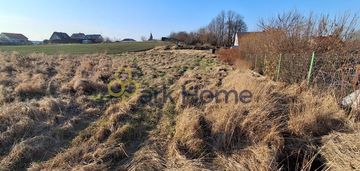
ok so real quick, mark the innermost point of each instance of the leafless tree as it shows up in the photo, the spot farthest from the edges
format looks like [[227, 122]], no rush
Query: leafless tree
[[221, 31], [224, 27], [296, 25]]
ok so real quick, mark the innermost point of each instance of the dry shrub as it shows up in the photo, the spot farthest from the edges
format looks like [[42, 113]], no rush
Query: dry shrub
[[233, 57]]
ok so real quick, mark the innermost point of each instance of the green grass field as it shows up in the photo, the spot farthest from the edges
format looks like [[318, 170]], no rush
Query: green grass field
[[110, 48]]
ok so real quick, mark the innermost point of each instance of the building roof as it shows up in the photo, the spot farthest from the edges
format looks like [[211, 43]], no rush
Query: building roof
[[93, 36], [15, 36], [128, 40], [78, 36], [61, 35]]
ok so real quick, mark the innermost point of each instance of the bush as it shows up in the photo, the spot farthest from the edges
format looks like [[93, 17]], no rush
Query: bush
[[295, 37]]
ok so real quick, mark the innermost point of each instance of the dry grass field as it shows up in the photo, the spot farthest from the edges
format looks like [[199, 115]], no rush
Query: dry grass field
[[56, 114]]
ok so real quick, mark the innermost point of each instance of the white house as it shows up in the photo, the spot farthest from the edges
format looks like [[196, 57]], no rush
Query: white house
[[13, 38]]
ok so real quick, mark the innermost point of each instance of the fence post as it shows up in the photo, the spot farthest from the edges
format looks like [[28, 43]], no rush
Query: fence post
[[264, 65], [255, 62], [311, 67], [278, 68]]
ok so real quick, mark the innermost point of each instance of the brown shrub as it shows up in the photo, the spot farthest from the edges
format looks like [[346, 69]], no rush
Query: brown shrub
[[233, 57]]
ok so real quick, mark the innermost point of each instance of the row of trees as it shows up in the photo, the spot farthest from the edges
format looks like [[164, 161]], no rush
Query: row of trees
[[220, 31]]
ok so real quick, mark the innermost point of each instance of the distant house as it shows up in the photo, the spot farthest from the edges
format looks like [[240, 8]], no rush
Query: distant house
[[60, 37], [3, 41], [79, 37], [128, 40], [13, 38], [93, 38]]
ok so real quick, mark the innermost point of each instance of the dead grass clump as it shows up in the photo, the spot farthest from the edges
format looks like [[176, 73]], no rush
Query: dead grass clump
[[125, 134], [109, 153], [33, 87], [2, 95], [258, 157], [341, 151], [82, 86], [17, 121], [192, 133], [316, 115], [147, 158], [27, 151]]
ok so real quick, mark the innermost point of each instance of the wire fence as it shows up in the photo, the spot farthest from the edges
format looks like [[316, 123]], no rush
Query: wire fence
[[327, 70]]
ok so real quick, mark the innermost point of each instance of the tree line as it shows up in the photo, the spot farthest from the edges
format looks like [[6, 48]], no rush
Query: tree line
[[219, 32]]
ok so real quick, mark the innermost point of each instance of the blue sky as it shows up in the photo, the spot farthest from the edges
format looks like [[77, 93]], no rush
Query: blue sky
[[37, 19]]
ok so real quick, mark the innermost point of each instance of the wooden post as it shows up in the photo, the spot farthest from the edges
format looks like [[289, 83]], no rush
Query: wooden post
[[278, 68], [311, 68]]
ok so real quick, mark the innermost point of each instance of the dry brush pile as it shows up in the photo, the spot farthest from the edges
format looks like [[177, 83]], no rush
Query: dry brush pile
[[55, 115]]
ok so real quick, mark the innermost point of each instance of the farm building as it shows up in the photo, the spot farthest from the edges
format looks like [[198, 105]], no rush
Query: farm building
[[78, 36], [93, 38], [13, 38], [128, 40], [60, 37]]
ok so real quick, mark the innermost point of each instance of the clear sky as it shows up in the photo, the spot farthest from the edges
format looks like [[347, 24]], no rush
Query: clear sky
[[37, 19]]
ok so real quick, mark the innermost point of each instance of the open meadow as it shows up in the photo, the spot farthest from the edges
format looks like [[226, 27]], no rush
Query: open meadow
[[156, 110]]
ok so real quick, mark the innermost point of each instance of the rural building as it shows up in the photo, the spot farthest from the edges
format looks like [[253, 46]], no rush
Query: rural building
[[13, 38], [78, 36], [128, 40], [93, 38], [60, 37]]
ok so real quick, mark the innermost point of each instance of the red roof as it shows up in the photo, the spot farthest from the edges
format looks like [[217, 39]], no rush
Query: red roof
[[15, 36]]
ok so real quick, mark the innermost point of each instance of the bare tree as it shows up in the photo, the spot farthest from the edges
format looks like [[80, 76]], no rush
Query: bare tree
[[224, 27], [296, 25], [221, 31]]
